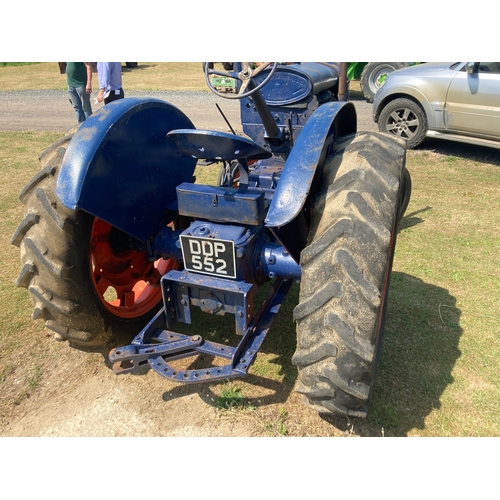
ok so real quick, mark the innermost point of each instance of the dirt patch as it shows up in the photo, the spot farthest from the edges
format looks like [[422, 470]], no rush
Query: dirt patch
[[80, 396]]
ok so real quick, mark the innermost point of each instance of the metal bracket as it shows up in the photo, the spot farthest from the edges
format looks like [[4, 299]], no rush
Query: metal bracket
[[182, 289], [157, 347], [133, 357]]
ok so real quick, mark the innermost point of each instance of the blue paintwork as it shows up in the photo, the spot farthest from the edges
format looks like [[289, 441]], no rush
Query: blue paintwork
[[263, 222], [245, 238], [292, 96], [285, 217], [221, 203], [274, 261], [294, 82], [213, 145], [183, 289], [121, 167], [256, 254], [167, 244], [307, 154]]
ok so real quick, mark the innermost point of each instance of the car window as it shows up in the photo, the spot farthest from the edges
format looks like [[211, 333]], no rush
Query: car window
[[489, 67]]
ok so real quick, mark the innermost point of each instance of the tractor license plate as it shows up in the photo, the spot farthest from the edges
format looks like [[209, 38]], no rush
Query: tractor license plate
[[209, 256]]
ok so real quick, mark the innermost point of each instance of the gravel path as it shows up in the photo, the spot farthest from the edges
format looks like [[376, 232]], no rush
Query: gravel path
[[50, 110]]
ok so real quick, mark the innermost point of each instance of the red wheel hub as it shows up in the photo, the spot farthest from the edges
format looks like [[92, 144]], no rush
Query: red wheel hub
[[127, 284]]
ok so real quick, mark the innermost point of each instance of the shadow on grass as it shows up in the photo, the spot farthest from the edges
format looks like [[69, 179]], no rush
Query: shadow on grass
[[420, 348], [411, 219], [278, 392]]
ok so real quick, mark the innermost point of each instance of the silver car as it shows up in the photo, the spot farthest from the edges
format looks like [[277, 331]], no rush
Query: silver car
[[457, 101]]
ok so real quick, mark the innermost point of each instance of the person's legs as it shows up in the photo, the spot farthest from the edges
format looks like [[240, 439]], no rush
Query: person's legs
[[85, 100], [74, 99]]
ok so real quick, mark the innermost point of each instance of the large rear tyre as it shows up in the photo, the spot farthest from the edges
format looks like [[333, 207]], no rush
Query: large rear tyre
[[86, 281], [346, 269]]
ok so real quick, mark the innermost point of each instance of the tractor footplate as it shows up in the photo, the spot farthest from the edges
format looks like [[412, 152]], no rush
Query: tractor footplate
[[157, 347]]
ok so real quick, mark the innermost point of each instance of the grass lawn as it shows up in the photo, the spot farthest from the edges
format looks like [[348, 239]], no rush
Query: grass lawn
[[146, 76]]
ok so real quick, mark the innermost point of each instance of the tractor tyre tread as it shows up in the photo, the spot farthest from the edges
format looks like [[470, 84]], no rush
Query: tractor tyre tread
[[345, 273], [54, 245]]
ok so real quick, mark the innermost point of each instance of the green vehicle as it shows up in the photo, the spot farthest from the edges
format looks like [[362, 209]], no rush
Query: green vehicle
[[372, 75], [222, 83]]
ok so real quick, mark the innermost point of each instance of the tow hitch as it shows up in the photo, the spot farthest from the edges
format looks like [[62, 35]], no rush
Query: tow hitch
[[158, 347]]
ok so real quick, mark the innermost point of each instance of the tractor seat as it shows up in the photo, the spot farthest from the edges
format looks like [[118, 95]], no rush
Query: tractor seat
[[213, 145]]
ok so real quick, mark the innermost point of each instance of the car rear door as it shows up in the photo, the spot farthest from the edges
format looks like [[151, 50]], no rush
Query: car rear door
[[473, 101]]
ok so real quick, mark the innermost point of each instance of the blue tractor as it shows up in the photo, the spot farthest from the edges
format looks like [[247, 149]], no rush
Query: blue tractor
[[119, 241]]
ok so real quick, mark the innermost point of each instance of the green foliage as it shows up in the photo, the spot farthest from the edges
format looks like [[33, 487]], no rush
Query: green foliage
[[232, 398]]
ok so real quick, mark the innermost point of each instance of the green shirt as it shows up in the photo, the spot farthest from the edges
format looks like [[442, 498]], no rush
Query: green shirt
[[76, 73]]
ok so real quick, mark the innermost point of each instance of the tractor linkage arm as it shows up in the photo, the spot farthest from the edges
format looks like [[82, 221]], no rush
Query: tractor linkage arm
[[157, 347]]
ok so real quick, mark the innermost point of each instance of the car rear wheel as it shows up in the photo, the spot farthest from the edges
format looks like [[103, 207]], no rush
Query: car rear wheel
[[406, 119]]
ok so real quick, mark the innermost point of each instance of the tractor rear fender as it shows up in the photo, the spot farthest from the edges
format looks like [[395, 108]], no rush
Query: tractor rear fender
[[120, 166], [302, 168]]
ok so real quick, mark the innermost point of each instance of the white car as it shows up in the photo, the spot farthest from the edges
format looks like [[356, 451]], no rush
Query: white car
[[457, 101]]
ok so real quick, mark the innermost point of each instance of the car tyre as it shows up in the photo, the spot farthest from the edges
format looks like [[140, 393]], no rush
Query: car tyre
[[405, 119], [374, 75]]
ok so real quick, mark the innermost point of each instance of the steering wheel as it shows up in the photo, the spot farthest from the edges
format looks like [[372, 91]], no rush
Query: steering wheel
[[244, 76]]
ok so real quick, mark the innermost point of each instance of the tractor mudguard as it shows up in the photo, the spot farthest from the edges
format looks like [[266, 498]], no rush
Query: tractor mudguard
[[120, 166], [285, 217]]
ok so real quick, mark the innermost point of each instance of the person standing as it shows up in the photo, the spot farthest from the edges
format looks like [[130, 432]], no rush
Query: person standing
[[79, 78], [109, 75]]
